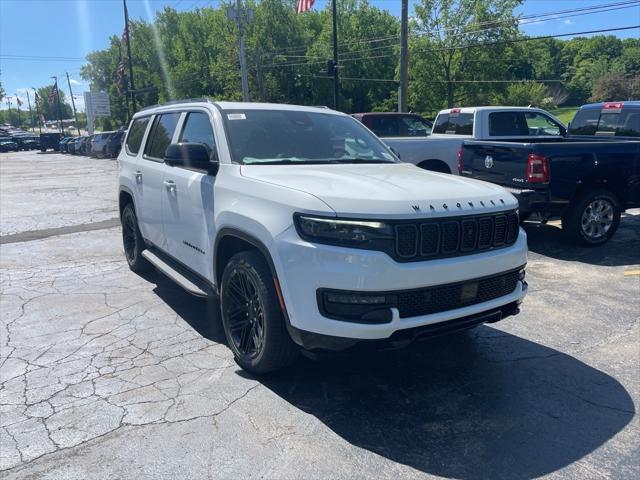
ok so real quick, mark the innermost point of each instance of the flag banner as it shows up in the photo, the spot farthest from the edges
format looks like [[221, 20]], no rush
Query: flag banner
[[53, 93], [304, 5], [37, 99], [119, 74], [18, 101]]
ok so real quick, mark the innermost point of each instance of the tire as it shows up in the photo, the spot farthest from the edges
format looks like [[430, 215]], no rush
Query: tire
[[593, 218], [259, 340], [132, 240]]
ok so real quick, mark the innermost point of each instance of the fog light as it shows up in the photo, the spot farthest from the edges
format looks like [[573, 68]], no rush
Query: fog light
[[521, 275], [355, 299]]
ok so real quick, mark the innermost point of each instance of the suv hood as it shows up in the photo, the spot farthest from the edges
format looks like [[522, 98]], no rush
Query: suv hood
[[399, 190]]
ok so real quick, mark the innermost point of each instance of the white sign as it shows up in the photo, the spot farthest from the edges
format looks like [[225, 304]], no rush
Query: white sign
[[96, 104]]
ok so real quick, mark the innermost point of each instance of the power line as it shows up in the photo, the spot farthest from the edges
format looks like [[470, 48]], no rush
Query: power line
[[529, 39]]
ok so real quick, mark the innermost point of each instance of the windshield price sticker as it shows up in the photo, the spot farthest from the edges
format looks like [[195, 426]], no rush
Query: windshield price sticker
[[236, 116]]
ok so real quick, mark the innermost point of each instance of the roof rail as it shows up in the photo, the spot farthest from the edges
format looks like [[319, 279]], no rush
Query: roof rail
[[174, 102]]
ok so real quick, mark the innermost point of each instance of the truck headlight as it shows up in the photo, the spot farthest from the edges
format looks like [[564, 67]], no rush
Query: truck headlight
[[335, 231]]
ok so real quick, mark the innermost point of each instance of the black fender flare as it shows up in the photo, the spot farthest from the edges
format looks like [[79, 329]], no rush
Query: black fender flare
[[261, 247]]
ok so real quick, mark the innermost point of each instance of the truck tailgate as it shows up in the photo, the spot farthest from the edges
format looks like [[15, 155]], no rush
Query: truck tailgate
[[502, 163]]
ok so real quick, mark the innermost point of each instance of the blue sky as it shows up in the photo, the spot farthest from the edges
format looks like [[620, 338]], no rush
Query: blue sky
[[69, 29]]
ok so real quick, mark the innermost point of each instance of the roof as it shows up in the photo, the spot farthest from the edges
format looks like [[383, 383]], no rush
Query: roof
[[600, 105], [485, 108], [237, 106]]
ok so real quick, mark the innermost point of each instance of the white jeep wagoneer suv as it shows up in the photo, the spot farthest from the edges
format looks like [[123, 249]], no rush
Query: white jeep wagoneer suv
[[313, 234]]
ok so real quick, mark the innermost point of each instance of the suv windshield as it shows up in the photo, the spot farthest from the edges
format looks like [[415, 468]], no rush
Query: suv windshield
[[281, 136]]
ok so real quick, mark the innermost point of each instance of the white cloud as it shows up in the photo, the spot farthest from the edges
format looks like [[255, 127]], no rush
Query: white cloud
[[76, 82], [569, 22]]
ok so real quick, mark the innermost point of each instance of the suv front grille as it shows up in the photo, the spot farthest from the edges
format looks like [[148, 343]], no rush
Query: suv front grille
[[454, 236]]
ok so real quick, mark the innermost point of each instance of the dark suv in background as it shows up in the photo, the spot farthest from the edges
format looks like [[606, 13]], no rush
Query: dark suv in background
[[114, 143]]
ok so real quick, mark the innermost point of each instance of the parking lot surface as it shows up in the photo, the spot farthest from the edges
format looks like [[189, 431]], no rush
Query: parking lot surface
[[106, 374]]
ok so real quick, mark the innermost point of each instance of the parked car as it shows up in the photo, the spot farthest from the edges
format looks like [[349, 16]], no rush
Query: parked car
[[81, 146], [99, 144], [63, 144], [586, 178], [70, 147], [395, 124], [88, 150], [439, 151], [29, 142], [114, 143], [8, 145], [311, 231], [50, 141]]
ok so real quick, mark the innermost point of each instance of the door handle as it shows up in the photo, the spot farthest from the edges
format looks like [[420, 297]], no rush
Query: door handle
[[170, 185], [138, 176]]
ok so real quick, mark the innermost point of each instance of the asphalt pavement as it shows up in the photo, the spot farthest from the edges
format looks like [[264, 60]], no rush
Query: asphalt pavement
[[107, 374]]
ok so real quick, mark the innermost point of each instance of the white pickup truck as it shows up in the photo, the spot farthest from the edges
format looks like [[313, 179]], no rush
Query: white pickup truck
[[311, 233], [439, 151]]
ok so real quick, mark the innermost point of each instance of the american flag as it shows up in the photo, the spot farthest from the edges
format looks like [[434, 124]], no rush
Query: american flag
[[53, 93], [37, 98], [304, 5], [18, 101], [119, 74]]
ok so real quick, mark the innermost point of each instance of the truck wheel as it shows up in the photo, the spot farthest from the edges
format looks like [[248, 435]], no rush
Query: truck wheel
[[252, 319], [132, 240], [593, 218]]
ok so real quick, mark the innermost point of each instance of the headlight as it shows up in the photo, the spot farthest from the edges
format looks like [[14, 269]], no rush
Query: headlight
[[335, 231]]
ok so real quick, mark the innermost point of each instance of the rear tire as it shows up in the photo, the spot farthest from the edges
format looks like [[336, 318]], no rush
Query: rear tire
[[593, 218], [132, 240], [253, 321]]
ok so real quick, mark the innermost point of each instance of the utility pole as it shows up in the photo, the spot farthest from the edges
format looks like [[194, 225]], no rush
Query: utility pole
[[404, 56], [259, 74], [336, 82], [37, 100], [73, 104], [59, 108], [30, 111], [243, 59], [18, 107], [9, 103], [132, 87]]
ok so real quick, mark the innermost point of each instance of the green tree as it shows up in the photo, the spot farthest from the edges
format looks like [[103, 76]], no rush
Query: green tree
[[524, 94], [613, 86], [50, 110], [449, 31]]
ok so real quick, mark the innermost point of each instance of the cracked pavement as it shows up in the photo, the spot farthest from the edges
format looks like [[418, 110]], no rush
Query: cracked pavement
[[107, 374]]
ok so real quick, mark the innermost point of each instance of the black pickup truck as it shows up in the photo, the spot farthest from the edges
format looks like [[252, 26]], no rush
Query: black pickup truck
[[587, 177]]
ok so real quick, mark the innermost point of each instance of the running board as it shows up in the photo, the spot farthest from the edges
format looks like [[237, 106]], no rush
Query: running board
[[166, 269]]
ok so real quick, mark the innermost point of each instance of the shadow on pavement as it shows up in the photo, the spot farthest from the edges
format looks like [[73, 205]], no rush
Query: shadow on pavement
[[622, 249], [479, 405], [201, 314]]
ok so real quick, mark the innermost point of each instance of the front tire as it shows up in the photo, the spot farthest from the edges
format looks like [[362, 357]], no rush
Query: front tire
[[132, 240], [253, 321], [593, 218]]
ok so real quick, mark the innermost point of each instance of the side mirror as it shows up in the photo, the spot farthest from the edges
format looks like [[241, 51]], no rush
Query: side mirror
[[192, 155]]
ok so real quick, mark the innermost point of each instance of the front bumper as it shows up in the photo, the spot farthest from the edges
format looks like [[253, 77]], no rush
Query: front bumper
[[303, 268]]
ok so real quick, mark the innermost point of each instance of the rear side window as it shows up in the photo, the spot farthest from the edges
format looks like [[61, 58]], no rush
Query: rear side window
[[414, 127], [161, 135], [507, 124], [619, 123], [385, 126], [136, 132], [454, 123], [197, 129]]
